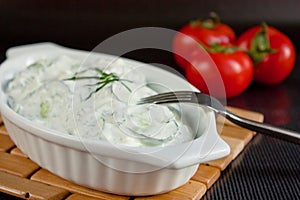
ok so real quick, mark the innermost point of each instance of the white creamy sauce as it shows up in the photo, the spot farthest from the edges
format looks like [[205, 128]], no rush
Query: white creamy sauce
[[43, 94]]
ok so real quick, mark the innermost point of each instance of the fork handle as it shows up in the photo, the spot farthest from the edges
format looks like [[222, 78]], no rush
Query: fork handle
[[263, 128]]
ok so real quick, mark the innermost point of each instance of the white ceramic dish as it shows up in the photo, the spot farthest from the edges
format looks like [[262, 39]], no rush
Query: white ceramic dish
[[98, 164]]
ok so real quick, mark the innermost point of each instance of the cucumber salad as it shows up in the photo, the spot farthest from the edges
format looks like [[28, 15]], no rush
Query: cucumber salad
[[94, 100]]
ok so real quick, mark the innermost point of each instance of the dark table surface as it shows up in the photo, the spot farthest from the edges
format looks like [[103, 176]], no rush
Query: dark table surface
[[268, 168]]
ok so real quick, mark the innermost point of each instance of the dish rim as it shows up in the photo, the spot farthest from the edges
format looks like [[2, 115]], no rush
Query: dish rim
[[17, 53]]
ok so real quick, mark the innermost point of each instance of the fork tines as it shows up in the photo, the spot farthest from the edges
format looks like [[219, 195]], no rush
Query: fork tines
[[168, 97]]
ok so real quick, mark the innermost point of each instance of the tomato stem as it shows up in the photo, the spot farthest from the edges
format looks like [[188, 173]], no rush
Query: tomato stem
[[209, 23], [217, 48], [215, 17], [260, 45]]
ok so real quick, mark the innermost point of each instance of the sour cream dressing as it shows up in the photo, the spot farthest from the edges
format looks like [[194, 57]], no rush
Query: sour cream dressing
[[43, 94]]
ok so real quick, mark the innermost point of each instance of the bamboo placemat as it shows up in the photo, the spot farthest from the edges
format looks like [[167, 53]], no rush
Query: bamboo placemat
[[21, 177]]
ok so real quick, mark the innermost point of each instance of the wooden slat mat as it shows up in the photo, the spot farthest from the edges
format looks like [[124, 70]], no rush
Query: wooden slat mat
[[21, 177]]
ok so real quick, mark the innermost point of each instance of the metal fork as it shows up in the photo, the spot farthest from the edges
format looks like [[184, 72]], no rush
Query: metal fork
[[215, 105]]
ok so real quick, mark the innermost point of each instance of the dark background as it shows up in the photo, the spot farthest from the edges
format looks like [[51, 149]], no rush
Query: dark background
[[85, 23], [268, 168]]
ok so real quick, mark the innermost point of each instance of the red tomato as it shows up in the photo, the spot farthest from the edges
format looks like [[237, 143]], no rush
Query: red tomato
[[231, 71], [206, 32], [272, 52], [209, 32]]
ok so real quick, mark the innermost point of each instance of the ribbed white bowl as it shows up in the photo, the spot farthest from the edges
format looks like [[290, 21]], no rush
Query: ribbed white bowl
[[101, 165]]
